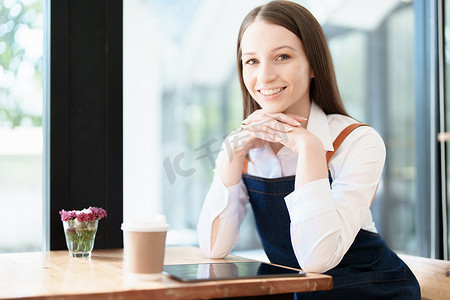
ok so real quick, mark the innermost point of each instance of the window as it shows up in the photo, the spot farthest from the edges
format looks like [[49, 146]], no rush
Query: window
[[374, 61], [445, 127], [21, 135]]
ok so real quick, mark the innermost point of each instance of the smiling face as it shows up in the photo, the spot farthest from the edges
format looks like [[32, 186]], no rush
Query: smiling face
[[275, 70]]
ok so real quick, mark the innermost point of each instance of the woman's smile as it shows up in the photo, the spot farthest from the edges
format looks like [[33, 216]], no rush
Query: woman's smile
[[271, 92]]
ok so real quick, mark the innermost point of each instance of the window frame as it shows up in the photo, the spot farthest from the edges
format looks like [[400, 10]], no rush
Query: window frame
[[85, 115]]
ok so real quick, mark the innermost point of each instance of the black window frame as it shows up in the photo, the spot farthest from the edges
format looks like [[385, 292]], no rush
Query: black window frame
[[86, 164]]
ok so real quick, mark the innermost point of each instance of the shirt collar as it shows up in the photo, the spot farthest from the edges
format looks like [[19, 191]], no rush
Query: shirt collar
[[318, 125]]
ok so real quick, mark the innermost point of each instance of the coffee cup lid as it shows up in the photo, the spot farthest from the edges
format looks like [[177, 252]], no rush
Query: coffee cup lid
[[153, 223]]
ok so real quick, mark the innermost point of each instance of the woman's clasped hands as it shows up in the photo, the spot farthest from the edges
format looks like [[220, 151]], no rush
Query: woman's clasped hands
[[261, 128]]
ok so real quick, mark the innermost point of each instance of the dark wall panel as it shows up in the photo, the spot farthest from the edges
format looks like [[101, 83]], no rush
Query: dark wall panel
[[86, 114]]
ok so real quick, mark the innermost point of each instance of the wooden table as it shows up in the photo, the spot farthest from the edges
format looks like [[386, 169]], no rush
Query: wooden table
[[56, 275]]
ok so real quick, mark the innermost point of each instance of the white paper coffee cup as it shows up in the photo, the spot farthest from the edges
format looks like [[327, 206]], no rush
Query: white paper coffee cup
[[144, 247]]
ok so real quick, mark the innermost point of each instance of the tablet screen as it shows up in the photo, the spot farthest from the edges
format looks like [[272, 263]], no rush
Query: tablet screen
[[222, 271]]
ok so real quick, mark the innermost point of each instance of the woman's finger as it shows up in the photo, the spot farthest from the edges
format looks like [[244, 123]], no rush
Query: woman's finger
[[259, 115], [268, 123], [241, 141], [290, 119], [297, 117], [270, 136]]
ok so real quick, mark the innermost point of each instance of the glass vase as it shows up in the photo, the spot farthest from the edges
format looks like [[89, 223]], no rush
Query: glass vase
[[80, 237]]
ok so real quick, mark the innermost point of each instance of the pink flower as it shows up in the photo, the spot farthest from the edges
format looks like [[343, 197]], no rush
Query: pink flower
[[99, 213], [68, 215], [85, 215]]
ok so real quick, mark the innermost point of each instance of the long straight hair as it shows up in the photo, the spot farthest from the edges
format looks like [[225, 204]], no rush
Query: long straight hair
[[297, 19]]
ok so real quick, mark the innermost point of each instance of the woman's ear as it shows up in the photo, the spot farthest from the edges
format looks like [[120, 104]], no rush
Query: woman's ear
[[311, 73]]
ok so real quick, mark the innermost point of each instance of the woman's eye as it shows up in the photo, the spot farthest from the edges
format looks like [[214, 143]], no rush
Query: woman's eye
[[283, 57], [251, 61]]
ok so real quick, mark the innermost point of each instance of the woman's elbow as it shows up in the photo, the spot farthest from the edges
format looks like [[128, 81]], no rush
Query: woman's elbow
[[212, 253], [317, 263], [217, 255], [314, 266]]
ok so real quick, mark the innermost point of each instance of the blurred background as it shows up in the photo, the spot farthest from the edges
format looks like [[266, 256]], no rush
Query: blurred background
[[182, 96], [21, 136], [181, 92]]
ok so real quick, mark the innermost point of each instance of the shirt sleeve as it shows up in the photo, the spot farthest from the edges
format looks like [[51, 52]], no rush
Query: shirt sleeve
[[324, 220], [230, 205]]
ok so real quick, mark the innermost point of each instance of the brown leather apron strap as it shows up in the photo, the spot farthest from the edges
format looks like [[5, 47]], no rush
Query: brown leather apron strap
[[244, 167], [338, 141], [341, 137]]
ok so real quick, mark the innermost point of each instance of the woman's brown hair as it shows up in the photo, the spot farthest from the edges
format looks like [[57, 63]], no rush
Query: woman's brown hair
[[297, 19]]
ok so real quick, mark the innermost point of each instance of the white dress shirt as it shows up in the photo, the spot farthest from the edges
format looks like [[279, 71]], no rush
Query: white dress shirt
[[324, 220]]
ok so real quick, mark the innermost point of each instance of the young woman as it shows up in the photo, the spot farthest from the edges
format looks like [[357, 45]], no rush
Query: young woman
[[308, 170]]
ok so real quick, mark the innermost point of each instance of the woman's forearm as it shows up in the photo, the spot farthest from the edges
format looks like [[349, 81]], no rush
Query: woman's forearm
[[230, 172], [230, 169], [312, 164]]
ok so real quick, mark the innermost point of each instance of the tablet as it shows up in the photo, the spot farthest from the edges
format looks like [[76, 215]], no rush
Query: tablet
[[224, 271]]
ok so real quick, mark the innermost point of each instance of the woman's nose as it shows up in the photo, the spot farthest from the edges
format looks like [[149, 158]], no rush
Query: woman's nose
[[267, 72]]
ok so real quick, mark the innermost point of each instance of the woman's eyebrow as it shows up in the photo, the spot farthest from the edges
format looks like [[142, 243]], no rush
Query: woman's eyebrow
[[273, 50], [248, 53], [282, 47]]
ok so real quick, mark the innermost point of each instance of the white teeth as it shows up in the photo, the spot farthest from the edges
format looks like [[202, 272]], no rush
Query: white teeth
[[270, 92]]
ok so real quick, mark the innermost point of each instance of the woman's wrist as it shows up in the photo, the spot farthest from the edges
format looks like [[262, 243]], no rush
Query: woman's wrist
[[230, 165], [311, 164]]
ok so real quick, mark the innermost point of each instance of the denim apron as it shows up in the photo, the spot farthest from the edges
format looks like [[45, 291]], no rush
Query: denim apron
[[369, 269]]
